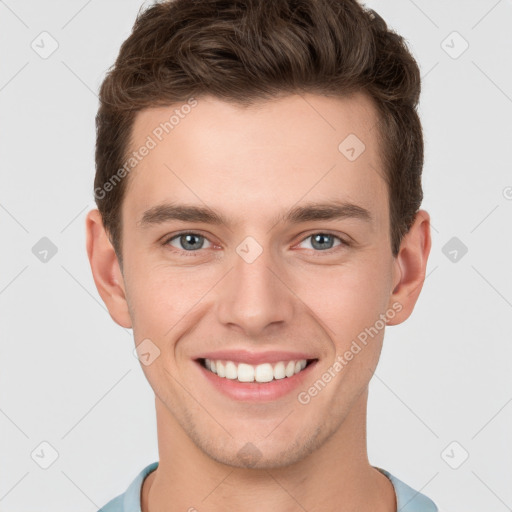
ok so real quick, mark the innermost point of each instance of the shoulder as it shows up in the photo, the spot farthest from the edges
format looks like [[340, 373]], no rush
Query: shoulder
[[129, 501], [114, 505], [408, 499]]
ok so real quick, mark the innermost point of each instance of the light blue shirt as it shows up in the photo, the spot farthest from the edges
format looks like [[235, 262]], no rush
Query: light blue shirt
[[408, 500]]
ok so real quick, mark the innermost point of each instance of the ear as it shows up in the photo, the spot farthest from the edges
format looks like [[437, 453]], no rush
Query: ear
[[410, 268], [106, 270]]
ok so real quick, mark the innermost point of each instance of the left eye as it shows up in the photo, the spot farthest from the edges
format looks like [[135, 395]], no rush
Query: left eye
[[323, 241]]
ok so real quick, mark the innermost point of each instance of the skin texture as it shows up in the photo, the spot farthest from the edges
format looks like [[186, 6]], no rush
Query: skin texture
[[252, 164]]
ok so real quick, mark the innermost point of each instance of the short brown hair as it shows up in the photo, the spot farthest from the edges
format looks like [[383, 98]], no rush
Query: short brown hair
[[248, 50]]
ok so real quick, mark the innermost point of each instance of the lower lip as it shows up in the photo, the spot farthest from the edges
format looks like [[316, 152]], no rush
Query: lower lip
[[257, 391]]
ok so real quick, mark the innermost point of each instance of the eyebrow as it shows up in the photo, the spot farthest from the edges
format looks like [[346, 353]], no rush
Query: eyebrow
[[334, 210]]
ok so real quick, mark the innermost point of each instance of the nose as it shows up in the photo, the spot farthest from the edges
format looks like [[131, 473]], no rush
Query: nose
[[255, 296]]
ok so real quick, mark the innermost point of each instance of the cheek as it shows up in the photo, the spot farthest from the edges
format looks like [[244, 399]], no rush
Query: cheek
[[162, 309], [163, 300], [348, 298]]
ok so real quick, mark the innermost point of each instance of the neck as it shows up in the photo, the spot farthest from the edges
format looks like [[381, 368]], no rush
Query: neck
[[337, 476]]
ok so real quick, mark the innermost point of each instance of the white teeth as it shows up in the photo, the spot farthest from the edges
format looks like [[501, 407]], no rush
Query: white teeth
[[279, 371], [264, 372], [290, 368], [245, 372], [231, 372]]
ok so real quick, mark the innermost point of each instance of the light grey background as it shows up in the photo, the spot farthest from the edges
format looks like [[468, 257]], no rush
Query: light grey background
[[68, 376]]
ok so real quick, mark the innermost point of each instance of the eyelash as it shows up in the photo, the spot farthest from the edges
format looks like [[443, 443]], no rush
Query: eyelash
[[342, 244]]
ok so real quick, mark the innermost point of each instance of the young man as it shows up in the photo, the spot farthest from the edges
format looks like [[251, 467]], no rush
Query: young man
[[258, 188]]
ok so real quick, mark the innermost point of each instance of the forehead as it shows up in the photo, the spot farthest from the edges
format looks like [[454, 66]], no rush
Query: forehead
[[258, 159]]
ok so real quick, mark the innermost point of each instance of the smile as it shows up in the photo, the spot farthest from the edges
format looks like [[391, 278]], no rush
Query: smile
[[257, 377], [265, 372]]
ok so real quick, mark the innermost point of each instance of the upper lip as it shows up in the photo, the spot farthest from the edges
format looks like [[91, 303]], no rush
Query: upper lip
[[246, 356]]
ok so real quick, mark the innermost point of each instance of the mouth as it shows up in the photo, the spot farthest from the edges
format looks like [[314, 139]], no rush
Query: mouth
[[264, 379], [260, 373]]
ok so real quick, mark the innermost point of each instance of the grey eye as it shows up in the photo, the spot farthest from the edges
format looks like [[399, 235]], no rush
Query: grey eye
[[322, 241], [188, 241]]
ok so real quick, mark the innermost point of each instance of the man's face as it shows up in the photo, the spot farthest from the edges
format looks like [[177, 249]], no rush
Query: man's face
[[263, 287]]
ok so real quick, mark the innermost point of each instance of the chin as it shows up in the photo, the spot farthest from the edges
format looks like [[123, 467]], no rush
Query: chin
[[263, 454]]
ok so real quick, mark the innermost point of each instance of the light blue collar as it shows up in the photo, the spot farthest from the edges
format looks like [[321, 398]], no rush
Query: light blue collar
[[408, 500]]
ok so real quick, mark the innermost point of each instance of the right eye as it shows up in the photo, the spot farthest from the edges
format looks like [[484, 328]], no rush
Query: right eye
[[186, 241]]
